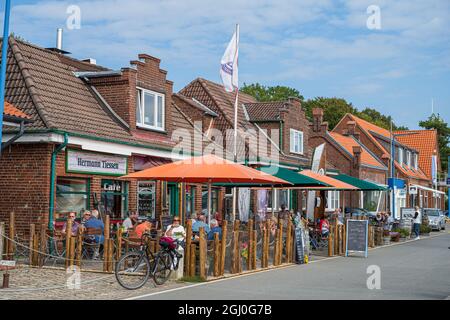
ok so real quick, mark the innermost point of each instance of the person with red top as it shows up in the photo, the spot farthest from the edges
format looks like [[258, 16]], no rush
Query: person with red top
[[324, 227]]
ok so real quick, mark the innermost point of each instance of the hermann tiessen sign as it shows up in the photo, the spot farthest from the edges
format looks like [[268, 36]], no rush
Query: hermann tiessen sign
[[95, 163]]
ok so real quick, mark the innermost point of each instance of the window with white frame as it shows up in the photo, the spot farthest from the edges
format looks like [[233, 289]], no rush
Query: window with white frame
[[150, 109], [408, 158], [333, 200], [416, 161], [281, 197], [400, 156], [296, 141]]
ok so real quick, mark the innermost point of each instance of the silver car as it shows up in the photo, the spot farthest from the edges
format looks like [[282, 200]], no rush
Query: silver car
[[436, 218]]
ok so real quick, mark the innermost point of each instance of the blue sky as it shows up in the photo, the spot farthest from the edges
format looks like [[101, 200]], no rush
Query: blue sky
[[320, 47]]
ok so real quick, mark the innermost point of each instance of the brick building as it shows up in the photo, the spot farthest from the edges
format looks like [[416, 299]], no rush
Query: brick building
[[345, 151], [409, 168], [88, 125]]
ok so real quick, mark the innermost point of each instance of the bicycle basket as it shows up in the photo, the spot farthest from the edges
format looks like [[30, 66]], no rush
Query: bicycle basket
[[167, 243]]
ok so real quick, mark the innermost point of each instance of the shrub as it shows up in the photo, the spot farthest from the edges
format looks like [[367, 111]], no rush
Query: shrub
[[424, 229]]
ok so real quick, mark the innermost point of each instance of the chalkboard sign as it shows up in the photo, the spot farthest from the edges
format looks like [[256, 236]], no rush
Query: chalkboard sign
[[166, 221], [299, 246], [357, 236]]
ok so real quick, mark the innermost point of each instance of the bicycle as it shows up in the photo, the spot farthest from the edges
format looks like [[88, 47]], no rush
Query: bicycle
[[134, 268]]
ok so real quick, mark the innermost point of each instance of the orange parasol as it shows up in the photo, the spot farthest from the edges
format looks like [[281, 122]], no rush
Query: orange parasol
[[206, 169]]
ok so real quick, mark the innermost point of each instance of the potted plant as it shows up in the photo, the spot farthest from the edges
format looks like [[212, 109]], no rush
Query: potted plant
[[404, 234], [425, 230]]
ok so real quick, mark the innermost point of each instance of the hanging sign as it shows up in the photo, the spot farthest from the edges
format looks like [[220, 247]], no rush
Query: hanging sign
[[96, 163]]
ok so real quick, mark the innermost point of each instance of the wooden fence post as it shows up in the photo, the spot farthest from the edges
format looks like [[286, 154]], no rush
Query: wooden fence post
[[280, 243], [35, 248], [267, 244], [192, 259], [12, 234], [223, 248], [289, 242], [31, 244], [202, 253], [2, 239], [43, 244], [119, 244], [255, 245], [235, 252], [72, 250], [68, 241], [336, 239], [216, 254], [249, 244], [330, 241], [187, 264], [80, 246], [106, 245]]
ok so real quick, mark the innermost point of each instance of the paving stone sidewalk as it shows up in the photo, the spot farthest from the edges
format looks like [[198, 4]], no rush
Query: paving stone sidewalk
[[49, 284]]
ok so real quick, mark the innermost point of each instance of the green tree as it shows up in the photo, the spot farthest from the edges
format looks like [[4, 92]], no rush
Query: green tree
[[443, 131], [379, 119], [333, 109], [277, 93]]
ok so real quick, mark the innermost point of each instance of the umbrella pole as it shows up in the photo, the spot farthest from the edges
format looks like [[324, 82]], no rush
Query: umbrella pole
[[209, 202], [233, 210]]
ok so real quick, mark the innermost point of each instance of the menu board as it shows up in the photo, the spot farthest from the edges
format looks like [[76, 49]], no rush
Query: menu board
[[357, 236], [166, 221], [299, 245]]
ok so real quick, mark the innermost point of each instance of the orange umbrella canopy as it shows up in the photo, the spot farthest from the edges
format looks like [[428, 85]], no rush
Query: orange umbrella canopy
[[333, 183], [206, 169]]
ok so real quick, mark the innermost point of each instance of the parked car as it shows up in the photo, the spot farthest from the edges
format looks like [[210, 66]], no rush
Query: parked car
[[436, 219], [358, 212]]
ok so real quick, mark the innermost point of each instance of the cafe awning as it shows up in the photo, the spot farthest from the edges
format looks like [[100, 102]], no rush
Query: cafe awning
[[298, 180], [358, 183], [333, 184]]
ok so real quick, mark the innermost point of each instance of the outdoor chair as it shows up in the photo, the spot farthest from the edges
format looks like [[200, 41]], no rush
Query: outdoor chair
[[90, 245]]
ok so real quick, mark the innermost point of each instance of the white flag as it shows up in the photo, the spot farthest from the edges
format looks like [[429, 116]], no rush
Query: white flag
[[229, 64]]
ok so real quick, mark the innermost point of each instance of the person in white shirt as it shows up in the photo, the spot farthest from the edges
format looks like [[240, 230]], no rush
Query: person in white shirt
[[417, 222], [131, 221], [176, 231]]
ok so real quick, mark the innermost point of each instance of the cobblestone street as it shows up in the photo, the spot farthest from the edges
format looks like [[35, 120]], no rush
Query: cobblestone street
[[49, 284]]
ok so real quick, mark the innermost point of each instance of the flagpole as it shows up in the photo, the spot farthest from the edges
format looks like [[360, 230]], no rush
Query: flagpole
[[236, 101]]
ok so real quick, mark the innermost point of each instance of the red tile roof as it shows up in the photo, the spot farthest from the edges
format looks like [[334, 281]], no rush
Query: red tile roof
[[264, 111], [424, 141], [12, 111], [370, 129], [348, 142]]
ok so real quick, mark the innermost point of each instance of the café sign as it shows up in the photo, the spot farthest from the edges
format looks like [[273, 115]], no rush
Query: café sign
[[95, 163]]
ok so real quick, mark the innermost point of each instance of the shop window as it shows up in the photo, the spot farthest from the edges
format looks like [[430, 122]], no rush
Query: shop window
[[114, 198], [281, 197], [333, 200], [146, 198], [370, 200], [190, 200], [150, 111], [214, 200], [72, 194]]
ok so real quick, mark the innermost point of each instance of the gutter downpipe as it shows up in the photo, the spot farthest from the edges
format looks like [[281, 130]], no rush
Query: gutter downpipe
[[52, 181]]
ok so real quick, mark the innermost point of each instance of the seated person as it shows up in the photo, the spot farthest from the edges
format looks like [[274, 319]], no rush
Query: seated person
[[194, 218], [143, 227], [176, 231], [92, 222], [75, 225], [131, 221], [201, 222], [324, 227], [214, 228], [218, 217]]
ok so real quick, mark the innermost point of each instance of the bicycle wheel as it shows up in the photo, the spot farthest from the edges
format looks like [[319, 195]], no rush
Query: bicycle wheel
[[162, 269], [132, 270]]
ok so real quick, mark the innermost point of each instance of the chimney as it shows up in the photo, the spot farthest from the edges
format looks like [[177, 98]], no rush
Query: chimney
[[59, 43], [351, 130], [357, 156], [295, 101], [90, 61], [318, 123], [59, 38]]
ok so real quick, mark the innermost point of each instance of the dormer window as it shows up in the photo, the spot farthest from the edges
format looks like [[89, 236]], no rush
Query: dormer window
[[150, 110], [408, 158]]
